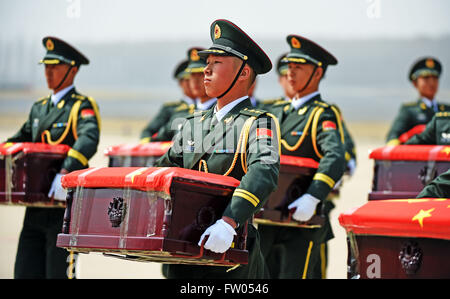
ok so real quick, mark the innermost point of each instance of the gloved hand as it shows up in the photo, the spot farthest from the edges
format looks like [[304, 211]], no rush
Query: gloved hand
[[351, 166], [56, 190], [305, 207], [220, 236], [338, 184]]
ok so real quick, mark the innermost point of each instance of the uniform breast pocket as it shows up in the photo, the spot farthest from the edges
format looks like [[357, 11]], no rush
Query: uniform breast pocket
[[58, 129]]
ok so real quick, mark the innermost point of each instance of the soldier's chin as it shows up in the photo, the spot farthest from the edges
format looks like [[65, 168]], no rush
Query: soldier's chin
[[211, 92], [51, 85]]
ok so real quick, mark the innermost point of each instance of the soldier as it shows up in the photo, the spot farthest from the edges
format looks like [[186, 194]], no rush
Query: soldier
[[64, 117], [167, 110], [231, 139], [436, 132], [194, 69], [310, 128], [413, 116], [289, 93], [438, 188]]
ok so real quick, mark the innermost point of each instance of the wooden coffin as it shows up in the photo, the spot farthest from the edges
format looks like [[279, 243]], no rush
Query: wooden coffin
[[295, 176], [148, 214], [136, 155], [27, 171], [403, 171], [399, 238]]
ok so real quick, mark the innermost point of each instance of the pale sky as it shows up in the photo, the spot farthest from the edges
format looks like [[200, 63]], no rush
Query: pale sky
[[114, 20]]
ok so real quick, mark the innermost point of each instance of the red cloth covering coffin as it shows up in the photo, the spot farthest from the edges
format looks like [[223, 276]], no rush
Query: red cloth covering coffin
[[296, 174], [399, 238], [27, 171], [134, 155], [403, 171], [148, 214]]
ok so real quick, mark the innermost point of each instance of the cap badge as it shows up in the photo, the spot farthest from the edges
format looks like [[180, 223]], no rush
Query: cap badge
[[217, 32], [295, 43], [429, 63], [50, 45], [194, 55]]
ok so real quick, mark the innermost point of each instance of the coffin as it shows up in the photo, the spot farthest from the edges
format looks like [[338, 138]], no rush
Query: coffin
[[295, 176], [27, 171], [403, 171], [148, 214], [136, 155], [399, 238]]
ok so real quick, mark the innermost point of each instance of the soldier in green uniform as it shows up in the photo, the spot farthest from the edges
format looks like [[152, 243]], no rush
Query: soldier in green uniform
[[310, 128], [231, 139], [424, 75], [194, 69], [168, 109], [438, 188], [289, 93], [64, 117], [436, 132]]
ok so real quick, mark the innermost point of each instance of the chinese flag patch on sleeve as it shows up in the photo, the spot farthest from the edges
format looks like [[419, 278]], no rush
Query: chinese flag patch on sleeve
[[328, 125], [263, 133], [87, 113]]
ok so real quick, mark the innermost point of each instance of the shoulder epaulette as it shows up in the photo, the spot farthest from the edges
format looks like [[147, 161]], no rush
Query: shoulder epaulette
[[174, 103], [443, 114], [409, 104], [196, 114], [182, 106], [322, 104], [43, 99], [252, 112], [271, 101], [282, 102], [78, 96]]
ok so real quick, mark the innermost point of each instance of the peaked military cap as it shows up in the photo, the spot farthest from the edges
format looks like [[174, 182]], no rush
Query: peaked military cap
[[196, 63], [305, 51], [427, 66], [229, 40], [180, 70], [282, 65], [58, 51]]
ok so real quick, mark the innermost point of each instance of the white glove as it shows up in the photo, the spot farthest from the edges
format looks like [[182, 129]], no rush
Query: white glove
[[56, 190], [220, 237], [305, 207], [337, 185], [351, 166]]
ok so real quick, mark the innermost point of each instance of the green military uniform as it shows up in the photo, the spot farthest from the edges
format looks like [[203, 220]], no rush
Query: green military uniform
[[231, 146], [168, 109], [436, 132], [438, 188], [312, 130], [74, 121], [416, 113]]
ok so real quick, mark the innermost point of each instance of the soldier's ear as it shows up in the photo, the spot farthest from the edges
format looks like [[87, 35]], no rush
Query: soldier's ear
[[319, 73], [74, 70], [246, 72]]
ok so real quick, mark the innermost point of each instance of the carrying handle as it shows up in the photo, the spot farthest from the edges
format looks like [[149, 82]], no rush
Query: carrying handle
[[201, 252]]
